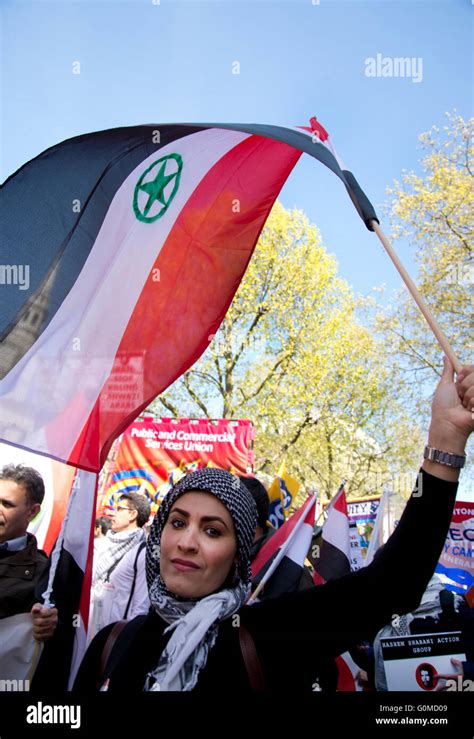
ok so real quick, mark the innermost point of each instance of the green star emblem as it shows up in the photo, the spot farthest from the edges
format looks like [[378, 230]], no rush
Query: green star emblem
[[157, 187]]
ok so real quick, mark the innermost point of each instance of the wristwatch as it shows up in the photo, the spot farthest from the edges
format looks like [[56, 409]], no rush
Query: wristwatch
[[450, 460]]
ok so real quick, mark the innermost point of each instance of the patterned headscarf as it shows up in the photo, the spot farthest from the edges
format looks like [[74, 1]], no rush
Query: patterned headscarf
[[195, 622]]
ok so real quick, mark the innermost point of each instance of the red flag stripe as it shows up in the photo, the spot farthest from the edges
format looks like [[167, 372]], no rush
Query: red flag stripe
[[201, 265]]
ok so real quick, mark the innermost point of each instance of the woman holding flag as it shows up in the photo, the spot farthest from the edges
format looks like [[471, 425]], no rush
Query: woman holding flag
[[200, 634]]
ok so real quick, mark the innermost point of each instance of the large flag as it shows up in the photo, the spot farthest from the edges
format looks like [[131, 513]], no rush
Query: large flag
[[335, 549], [280, 561], [121, 252]]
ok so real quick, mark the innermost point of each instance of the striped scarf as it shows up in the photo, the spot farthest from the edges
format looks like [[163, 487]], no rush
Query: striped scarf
[[119, 543]]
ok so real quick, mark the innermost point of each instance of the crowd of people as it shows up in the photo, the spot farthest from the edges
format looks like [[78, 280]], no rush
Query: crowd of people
[[169, 611]]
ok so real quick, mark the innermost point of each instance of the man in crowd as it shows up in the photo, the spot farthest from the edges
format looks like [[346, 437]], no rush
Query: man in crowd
[[101, 529], [119, 589], [22, 565], [262, 501]]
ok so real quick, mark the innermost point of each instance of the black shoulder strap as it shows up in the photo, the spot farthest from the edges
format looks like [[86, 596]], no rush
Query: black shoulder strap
[[252, 662], [122, 633], [140, 547]]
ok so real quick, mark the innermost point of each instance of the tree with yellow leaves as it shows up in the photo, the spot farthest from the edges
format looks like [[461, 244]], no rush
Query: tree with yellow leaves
[[435, 211], [292, 356]]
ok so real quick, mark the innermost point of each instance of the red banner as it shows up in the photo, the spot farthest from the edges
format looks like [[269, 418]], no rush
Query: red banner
[[151, 455]]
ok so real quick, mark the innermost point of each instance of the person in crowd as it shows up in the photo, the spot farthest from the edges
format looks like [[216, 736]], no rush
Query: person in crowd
[[262, 530], [440, 610], [23, 567], [200, 634], [119, 589], [101, 529]]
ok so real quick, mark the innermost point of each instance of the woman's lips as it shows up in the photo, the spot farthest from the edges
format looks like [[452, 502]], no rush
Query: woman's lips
[[184, 566]]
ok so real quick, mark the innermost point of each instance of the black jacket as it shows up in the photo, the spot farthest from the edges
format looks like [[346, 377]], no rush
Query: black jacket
[[297, 635], [20, 576]]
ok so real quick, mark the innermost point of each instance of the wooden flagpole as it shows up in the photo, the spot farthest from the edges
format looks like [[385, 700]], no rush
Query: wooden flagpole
[[418, 298]]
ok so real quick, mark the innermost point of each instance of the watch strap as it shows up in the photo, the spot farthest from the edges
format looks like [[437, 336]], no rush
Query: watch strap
[[457, 461]]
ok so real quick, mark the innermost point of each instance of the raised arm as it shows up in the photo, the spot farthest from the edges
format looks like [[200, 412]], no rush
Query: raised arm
[[334, 616]]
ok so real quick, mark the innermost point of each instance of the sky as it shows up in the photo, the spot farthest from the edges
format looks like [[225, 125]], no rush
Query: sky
[[159, 61]]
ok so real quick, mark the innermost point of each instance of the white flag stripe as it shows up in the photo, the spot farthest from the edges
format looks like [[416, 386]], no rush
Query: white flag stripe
[[67, 349], [300, 546], [336, 531], [75, 530]]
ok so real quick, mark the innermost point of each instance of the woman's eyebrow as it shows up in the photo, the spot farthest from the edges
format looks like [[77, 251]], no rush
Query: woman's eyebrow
[[179, 510], [205, 519]]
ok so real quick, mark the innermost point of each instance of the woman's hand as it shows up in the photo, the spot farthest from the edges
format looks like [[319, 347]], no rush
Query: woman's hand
[[452, 417]]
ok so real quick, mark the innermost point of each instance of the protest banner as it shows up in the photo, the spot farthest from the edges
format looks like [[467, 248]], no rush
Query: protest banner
[[413, 662], [456, 563], [151, 455]]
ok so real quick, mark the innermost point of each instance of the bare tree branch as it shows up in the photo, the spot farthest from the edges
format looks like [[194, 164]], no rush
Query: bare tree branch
[[413, 350], [169, 406], [461, 238], [258, 315], [206, 376], [286, 355], [194, 396], [219, 372], [307, 421]]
